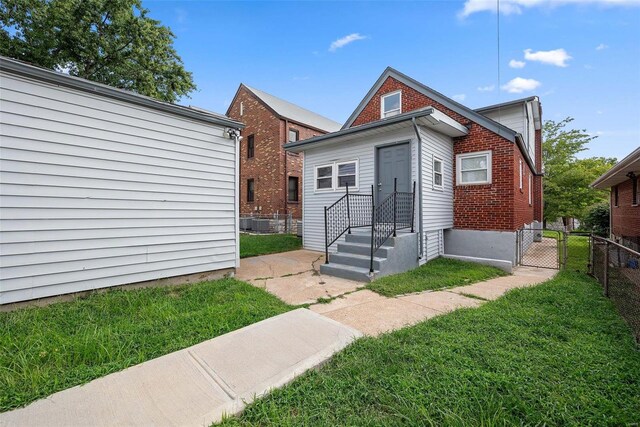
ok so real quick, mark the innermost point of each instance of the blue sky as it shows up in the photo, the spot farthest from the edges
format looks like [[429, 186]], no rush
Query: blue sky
[[582, 57]]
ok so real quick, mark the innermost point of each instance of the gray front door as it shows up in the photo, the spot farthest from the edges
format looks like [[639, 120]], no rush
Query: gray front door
[[393, 161]]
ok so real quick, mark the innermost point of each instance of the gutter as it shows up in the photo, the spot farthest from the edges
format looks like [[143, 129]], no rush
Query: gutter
[[420, 233], [20, 68]]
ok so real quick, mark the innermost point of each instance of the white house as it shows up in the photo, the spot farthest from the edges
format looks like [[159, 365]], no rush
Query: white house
[[477, 176], [102, 187]]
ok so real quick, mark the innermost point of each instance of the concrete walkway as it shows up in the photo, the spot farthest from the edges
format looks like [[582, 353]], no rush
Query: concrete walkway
[[197, 385], [373, 314], [294, 277]]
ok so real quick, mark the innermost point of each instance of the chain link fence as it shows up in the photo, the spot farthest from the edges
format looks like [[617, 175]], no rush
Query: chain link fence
[[617, 269], [270, 224]]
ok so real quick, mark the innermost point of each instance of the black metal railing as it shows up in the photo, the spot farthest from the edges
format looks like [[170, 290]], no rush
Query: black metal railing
[[395, 212], [348, 212]]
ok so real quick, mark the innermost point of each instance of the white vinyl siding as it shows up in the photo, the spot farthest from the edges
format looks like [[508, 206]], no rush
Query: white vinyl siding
[[519, 118], [437, 203], [97, 192], [363, 149]]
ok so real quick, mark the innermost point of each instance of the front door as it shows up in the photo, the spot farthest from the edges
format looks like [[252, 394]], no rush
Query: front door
[[393, 161]]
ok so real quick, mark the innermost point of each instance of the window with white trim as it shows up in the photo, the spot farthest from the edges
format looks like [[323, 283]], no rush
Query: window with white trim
[[473, 168], [324, 177], [521, 171], [391, 104], [336, 176], [347, 174], [437, 173], [530, 189]]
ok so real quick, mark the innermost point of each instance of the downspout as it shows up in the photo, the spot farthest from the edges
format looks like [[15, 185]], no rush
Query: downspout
[[235, 134], [420, 233], [286, 178]]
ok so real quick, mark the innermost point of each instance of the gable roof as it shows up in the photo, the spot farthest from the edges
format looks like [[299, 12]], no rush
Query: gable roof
[[294, 112], [25, 69], [467, 112]]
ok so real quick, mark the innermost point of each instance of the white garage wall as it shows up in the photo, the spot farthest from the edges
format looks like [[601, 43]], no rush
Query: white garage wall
[[98, 192]]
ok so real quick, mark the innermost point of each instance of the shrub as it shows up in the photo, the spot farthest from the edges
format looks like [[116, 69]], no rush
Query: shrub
[[596, 219]]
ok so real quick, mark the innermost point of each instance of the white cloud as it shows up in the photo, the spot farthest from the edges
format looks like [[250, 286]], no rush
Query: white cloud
[[514, 63], [460, 97], [557, 57], [516, 7], [181, 15], [488, 88], [341, 42], [601, 46], [519, 85]]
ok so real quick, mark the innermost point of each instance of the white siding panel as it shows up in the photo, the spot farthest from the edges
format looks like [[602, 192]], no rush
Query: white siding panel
[[437, 204], [364, 150], [513, 117], [96, 192]]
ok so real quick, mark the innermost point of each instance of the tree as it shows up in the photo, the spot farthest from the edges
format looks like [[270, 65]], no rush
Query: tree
[[567, 191], [108, 41], [596, 219]]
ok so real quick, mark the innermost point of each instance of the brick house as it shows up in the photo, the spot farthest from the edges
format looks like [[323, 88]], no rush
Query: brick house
[[622, 181], [270, 177], [477, 173]]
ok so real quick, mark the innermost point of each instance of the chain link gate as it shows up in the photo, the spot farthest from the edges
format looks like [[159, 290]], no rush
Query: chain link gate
[[541, 248]]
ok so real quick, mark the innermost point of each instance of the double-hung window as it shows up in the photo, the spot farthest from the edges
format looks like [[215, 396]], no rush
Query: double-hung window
[[293, 189], [293, 135], [250, 147], [337, 175], [473, 168], [391, 104], [250, 190], [437, 173]]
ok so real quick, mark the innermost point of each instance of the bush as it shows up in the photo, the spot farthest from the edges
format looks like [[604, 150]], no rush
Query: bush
[[597, 219]]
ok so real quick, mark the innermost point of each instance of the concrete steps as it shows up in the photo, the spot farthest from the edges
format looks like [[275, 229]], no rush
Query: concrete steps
[[352, 260]]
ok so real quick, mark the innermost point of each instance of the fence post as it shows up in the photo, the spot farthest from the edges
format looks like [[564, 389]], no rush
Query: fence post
[[606, 269], [413, 205], [326, 238], [395, 193], [348, 212]]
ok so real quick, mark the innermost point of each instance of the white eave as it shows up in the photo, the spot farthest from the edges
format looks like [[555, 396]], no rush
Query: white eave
[[428, 117], [618, 173]]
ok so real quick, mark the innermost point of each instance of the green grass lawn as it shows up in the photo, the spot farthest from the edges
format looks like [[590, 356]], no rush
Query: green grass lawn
[[262, 244], [48, 349], [554, 354], [435, 274]]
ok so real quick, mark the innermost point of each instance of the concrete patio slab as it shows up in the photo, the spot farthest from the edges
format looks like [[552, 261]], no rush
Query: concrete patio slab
[[442, 301], [294, 277], [197, 385]]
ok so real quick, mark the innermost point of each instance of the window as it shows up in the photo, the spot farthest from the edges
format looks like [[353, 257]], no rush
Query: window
[[250, 147], [615, 196], [293, 135], [521, 174], [293, 189], [530, 189], [634, 189], [391, 104], [347, 173], [437, 173], [324, 177], [336, 176], [250, 190], [473, 168], [242, 109]]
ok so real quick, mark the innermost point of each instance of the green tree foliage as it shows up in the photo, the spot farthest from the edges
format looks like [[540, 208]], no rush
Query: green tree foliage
[[567, 191], [112, 42], [596, 219]]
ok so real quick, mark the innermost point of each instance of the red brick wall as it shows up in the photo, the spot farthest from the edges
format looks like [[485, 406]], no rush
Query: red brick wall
[[625, 217], [497, 206], [267, 167]]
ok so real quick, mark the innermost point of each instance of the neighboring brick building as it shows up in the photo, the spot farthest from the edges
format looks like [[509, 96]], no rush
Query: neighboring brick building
[[478, 173], [271, 178], [622, 181]]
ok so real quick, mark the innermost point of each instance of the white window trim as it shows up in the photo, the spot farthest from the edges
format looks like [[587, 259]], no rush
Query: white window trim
[[382, 97], [530, 189], [315, 175], [433, 175], [355, 187], [334, 176], [521, 173], [459, 158]]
